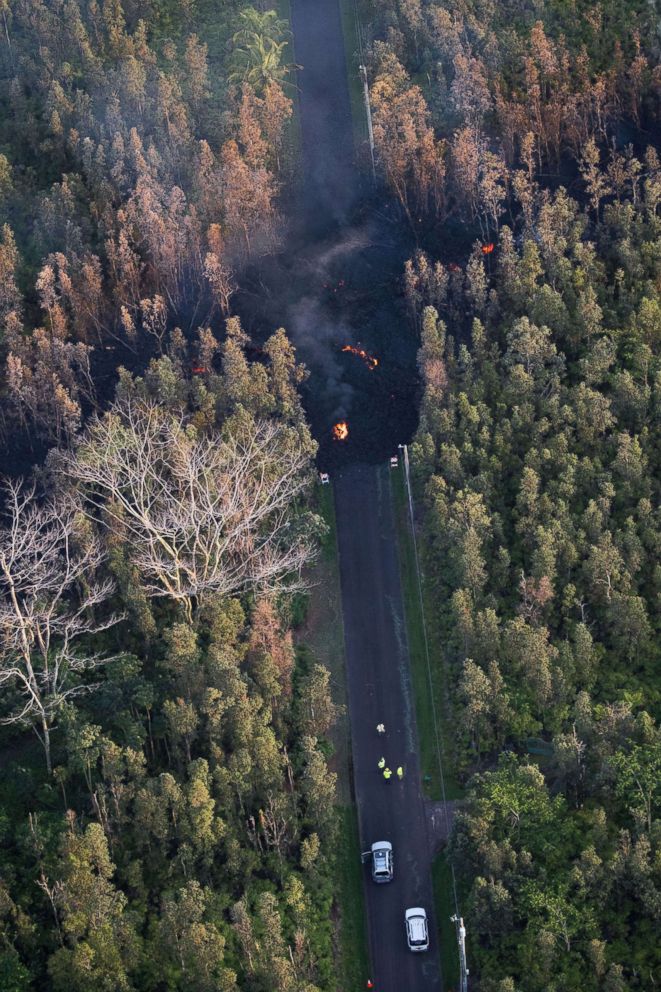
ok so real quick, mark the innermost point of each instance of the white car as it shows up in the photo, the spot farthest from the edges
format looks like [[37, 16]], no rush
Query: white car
[[417, 931], [382, 861]]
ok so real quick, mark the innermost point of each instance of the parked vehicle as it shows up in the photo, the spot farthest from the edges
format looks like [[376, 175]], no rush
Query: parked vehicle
[[417, 931], [382, 861]]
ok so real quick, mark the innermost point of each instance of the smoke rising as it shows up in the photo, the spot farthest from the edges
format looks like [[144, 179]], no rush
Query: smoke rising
[[317, 336], [315, 327]]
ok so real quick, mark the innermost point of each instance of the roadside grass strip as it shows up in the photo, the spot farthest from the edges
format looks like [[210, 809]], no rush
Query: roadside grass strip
[[353, 48], [324, 636], [353, 943], [293, 138], [326, 508], [425, 704], [445, 908]]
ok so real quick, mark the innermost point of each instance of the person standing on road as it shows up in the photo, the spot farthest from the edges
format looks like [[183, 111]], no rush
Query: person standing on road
[[386, 774], [400, 773], [382, 763], [380, 728]]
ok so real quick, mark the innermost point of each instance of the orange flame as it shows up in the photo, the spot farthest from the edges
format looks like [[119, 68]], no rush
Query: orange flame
[[370, 361], [487, 249], [341, 431]]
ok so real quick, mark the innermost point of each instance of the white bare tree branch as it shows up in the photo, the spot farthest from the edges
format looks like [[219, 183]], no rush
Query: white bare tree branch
[[201, 513], [48, 592]]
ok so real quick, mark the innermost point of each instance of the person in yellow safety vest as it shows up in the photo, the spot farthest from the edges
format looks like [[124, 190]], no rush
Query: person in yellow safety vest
[[400, 773], [382, 763], [386, 774]]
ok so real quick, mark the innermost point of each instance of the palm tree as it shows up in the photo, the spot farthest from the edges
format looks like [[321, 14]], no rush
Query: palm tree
[[261, 22], [259, 45]]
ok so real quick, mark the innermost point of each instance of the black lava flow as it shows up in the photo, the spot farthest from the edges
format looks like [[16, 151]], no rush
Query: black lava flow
[[336, 286]]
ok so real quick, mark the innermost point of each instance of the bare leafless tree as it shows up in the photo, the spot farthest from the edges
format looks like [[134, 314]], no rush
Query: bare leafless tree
[[201, 513], [48, 592]]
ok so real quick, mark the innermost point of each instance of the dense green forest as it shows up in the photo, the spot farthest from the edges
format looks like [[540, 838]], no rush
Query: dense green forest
[[537, 462], [173, 829], [538, 449], [168, 824]]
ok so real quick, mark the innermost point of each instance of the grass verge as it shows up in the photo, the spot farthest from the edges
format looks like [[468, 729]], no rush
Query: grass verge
[[293, 126], [323, 633], [326, 508], [352, 951], [351, 31], [424, 702], [444, 905]]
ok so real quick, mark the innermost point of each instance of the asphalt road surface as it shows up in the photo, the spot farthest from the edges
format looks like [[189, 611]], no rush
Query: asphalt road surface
[[379, 685], [330, 179], [375, 636]]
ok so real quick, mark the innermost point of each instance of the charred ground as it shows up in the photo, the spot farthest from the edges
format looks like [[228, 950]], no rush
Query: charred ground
[[344, 288]]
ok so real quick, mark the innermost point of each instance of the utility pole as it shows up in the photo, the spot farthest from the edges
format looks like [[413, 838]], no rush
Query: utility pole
[[368, 111], [407, 476], [461, 941]]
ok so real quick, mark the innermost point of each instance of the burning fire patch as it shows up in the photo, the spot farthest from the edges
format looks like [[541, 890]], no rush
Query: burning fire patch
[[370, 361], [341, 431]]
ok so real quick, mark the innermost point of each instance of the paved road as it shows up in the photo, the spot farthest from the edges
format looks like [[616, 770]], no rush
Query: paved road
[[330, 180], [380, 691], [375, 637]]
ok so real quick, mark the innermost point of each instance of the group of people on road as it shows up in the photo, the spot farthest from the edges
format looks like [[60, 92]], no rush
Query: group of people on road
[[387, 772]]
